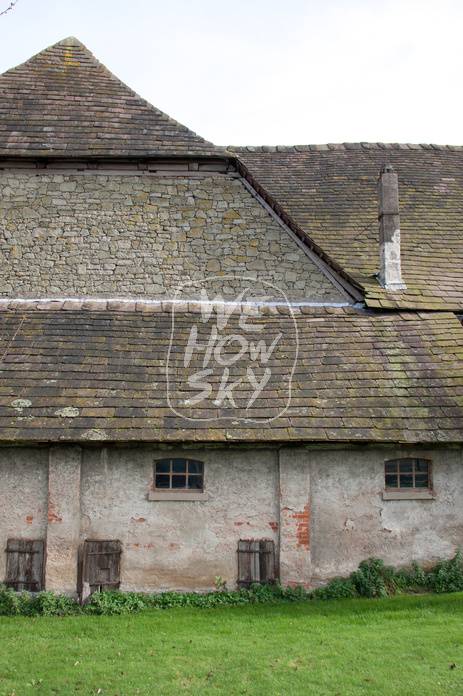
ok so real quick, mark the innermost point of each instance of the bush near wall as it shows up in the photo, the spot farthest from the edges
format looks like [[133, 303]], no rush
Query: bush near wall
[[371, 579]]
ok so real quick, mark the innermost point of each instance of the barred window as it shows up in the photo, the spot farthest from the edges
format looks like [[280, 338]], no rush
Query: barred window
[[408, 473]]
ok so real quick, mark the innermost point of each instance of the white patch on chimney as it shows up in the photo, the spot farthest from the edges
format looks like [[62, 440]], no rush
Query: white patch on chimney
[[390, 276]]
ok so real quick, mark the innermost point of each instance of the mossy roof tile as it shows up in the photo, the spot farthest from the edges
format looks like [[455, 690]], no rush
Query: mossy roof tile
[[64, 102], [411, 397], [331, 195]]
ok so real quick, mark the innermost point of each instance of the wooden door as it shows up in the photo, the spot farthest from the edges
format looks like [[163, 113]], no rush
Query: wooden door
[[256, 562], [24, 564], [102, 565]]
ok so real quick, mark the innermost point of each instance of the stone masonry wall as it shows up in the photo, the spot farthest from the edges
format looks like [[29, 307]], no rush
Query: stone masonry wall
[[350, 521], [139, 236]]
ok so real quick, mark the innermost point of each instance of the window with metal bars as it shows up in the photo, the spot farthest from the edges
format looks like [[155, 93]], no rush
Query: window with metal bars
[[405, 474]]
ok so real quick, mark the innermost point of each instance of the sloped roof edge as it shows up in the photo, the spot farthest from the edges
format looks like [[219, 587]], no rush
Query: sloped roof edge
[[349, 284]]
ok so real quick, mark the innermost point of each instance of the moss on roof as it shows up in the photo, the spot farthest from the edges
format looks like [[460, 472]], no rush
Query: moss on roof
[[330, 192], [79, 375], [64, 102]]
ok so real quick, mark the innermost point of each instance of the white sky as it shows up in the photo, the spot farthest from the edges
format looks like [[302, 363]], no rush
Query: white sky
[[273, 72]]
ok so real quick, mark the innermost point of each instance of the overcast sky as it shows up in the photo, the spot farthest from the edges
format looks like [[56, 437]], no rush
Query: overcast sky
[[268, 72]]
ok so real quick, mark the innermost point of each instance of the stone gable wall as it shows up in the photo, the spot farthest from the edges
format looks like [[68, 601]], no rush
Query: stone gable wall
[[71, 235]]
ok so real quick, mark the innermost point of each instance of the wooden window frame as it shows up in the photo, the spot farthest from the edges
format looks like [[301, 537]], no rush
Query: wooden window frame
[[177, 494], [411, 492]]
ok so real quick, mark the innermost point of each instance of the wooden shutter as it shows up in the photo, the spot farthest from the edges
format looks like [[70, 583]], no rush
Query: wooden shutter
[[256, 562], [24, 565], [102, 565]]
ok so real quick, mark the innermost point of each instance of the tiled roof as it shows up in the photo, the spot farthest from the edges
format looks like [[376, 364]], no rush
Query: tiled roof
[[330, 192], [64, 102], [357, 376]]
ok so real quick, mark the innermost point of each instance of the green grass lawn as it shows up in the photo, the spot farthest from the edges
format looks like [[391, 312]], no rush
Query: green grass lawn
[[402, 645]]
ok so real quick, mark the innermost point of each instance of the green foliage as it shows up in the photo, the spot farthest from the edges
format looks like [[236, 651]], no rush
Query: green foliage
[[51, 604], [221, 585], [12, 603], [337, 588], [374, 579], [447, 576], [371, 579], [41, 604], [114, 602]]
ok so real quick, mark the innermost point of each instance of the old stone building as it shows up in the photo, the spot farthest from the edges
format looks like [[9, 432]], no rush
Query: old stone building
[[213, 362]]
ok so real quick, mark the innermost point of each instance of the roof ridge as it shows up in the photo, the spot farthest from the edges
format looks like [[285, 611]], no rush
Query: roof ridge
[[342, 146]]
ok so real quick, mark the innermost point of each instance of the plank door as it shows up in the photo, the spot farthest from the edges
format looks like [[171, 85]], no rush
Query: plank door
[[24, 564], [256, 562], [102, 565]]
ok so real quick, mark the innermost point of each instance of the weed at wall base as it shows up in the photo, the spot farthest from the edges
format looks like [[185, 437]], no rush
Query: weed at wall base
[[371, 579]]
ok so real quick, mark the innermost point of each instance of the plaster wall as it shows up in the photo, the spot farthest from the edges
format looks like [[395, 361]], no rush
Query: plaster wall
[[63, 518], [322, 508], [24, 496], [294, 517], [179, 544], [350, 521], [71, 235]]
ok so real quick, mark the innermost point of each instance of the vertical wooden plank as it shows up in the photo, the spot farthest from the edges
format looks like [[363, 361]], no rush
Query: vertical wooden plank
[[255, 565], [114, 563], [248, 562], [12, 562], [244, 562], [25, 565], [267, 561]]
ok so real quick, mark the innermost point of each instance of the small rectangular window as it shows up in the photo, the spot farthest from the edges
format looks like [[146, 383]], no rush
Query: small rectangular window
[[407, 473], [178, 479], [178, 475], [407, 478]]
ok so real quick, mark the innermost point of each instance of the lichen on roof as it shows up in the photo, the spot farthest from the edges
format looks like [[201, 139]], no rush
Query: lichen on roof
[[62, 101], [330, 192]]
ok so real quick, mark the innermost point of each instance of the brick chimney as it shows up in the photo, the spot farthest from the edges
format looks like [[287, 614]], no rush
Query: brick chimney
[[390, 275]]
